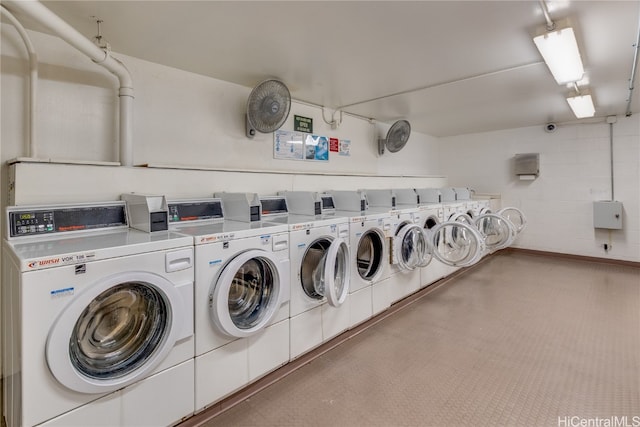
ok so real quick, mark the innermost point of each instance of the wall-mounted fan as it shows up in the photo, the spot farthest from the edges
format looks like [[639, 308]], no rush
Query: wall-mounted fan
[[396, 138], [268, 107]]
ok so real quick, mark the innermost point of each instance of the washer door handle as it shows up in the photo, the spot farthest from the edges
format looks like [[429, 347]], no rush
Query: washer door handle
[[178, 260]]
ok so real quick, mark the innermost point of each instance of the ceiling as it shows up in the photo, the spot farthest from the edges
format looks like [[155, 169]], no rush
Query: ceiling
[[449, 67]]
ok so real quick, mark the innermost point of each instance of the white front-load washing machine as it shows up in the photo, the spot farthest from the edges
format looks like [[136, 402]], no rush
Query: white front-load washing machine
[[497, 231], [241, 298], [97, 319], [408, 245], [464, 196], [369, 233], [515, 216], [450, 204], [320, 268], [502, 228], [430, 215]]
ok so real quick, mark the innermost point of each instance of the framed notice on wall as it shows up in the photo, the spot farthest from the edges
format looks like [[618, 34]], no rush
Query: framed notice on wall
[[288, 145], [316, 148]]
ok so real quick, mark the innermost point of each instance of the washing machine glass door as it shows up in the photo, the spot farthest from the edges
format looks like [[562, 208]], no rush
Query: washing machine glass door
[[410, 247], [115, 332], [369, 255], [498, 232], [515, 216], [324, 270], [429, 225], [462, 217], [247, 293], [457, 244]]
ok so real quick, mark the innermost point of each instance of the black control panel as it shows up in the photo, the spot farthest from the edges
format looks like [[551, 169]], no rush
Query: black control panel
[[195, 211], [60, 220], [274, 206]]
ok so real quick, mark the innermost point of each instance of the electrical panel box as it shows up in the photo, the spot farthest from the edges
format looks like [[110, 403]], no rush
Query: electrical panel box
[[527, 164], [607, 214]]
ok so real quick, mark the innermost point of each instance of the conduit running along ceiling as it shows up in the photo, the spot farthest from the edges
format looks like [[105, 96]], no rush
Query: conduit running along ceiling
[[448, 67]]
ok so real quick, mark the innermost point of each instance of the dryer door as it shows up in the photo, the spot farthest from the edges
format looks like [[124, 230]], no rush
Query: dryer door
[[248, 292], [515, 216], [498, 233], [332, 275], [457, 244], [115, 332], [409, 247]]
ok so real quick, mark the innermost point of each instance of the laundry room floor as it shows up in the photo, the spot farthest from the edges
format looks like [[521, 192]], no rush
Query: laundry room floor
[[519, 340]]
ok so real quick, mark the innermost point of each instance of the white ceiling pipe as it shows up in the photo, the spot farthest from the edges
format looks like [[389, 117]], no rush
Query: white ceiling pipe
[[45, 17], [30, 149]]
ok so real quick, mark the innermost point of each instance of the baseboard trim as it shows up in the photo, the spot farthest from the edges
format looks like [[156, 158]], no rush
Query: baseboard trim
[[574, 257]]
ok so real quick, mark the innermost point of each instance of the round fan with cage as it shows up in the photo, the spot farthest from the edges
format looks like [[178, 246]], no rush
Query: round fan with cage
[[268, 107], [396, 137]]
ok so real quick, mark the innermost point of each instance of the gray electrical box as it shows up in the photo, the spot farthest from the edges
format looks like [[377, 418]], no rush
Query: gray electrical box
[[527, 164], [607, 214]]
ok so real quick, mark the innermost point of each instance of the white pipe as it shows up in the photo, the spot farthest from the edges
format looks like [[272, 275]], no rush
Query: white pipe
[[30, 142], [545, 11], [634, 67], [45, 17]]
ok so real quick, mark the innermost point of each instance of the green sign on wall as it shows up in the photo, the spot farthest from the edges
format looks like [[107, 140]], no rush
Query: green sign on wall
[[302, 124]]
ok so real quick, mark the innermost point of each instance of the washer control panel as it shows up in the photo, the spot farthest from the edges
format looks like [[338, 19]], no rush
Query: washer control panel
[[61, 219], [194, 210]]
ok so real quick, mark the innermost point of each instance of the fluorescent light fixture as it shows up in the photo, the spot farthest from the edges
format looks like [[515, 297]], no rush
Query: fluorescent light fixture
[[582, 106], [559, 50]]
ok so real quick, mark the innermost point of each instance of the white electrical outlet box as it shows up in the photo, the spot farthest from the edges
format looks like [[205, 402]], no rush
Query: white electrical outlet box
[[607, 214]]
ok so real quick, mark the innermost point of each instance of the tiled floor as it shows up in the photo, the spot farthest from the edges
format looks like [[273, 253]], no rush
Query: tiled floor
[[521, 340]]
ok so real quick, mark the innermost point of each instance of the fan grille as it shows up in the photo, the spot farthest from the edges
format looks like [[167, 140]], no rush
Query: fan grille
[[268, 106], [398, 136]]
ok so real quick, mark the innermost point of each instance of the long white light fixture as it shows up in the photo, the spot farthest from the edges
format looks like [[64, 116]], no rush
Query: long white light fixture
[[582, 106], [559, 50]]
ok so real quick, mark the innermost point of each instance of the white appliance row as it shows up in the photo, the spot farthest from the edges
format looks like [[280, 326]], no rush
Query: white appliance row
[[145, 311]]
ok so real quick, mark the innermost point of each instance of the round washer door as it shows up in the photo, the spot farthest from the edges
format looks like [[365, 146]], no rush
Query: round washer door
[[462, 217], [498, 232], [515, 216], [115, 332], [248, 292], [410, 247], [457, 244], [334, 277]]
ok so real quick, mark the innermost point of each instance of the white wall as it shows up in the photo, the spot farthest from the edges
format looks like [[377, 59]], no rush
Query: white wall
[[574, 172], [180, 119]]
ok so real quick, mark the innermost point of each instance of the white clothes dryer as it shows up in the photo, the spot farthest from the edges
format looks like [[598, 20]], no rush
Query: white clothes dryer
[[241, 297], [97, 318], [320, 269]]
